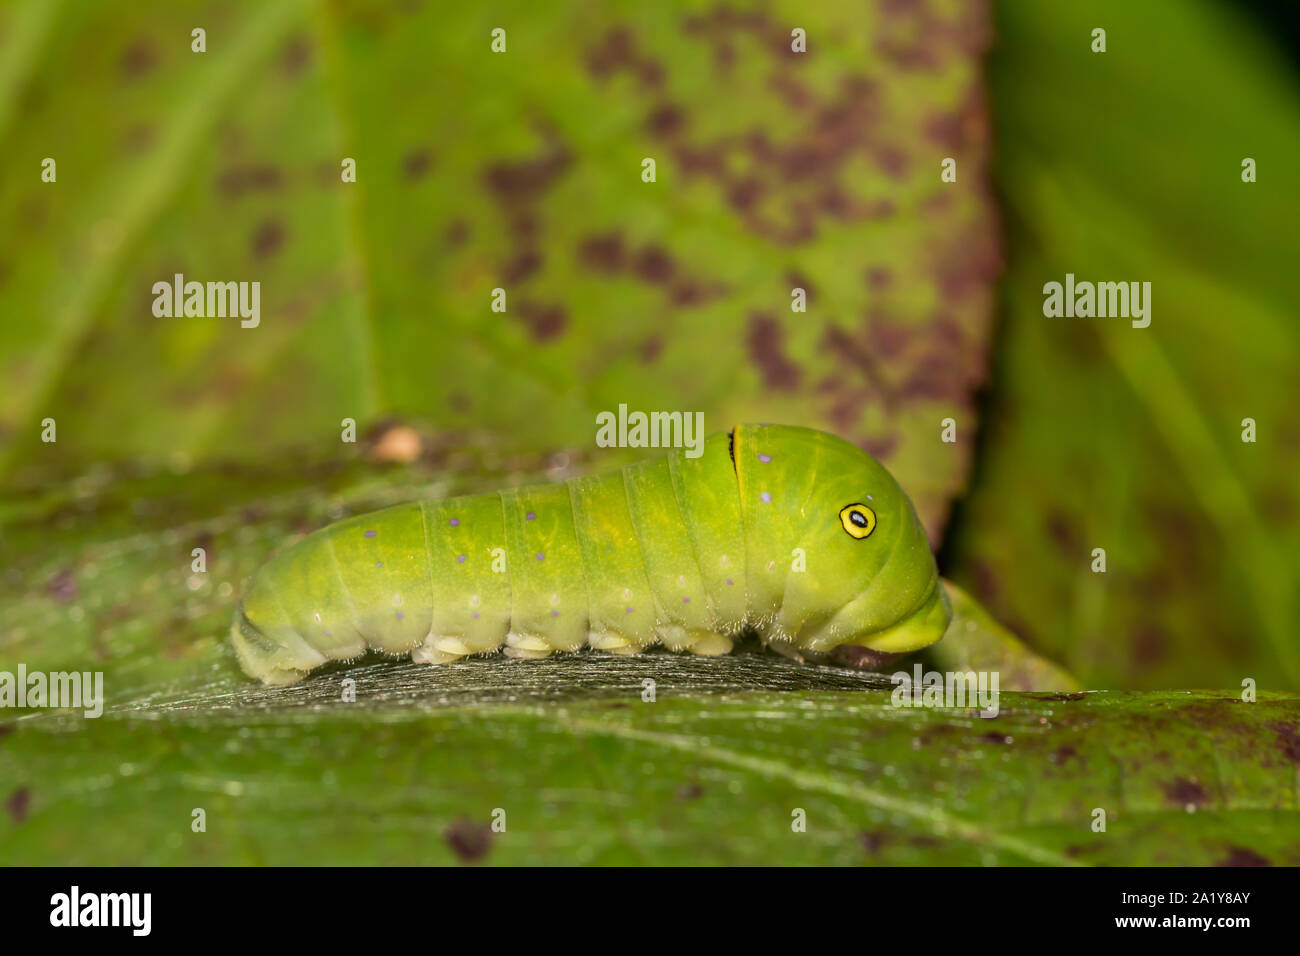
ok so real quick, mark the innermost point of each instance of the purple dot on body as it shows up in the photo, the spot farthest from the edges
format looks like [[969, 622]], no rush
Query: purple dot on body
[[399, 615], [531, 516], [476, 615], [328, 634], [461, 559], [686, 600], [629, 610], [729, 581], [371, 534], [454, 522], [379, 564], [765, 458], [540, 556], [766, 498], [555, 614]]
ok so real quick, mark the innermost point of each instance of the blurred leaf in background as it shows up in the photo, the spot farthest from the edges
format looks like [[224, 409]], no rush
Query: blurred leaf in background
[[1126, 166], [477, 170], [522, 170]]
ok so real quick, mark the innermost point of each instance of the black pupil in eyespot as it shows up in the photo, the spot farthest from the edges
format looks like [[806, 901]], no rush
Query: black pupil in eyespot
[[857, 518]]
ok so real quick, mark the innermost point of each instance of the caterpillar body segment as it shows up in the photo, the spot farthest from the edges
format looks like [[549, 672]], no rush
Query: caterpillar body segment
[[468, 572], [688, 618], [792, 532]]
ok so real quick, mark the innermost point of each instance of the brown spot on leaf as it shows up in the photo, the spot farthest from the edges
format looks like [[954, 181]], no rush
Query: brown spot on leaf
[[138, 59], [545, 321], [470, 841], [1075, 849], [879, 446], [700, 161], [526, 180], [1063, 753], [945, 130], [649, 349], [267, 239], [666, 120], [603, 252], [689, 791], [938, 204], [888, 338], [523, 224], [457, 232], [521, 266], [846, 404], [723, 25], [765, 338], [1184, 792], [687, 293], [614, 52], [653, 264], [797, 280], [234, 181], [416, 164], [1288, 739], [1241, 856], [651, 74], [745, 194], [879, 209], [17, 804], [297, 55], [796, 95], [856, 363], [937, 375], [1063, 531], [759, 146], [892, 161], [873, 841]]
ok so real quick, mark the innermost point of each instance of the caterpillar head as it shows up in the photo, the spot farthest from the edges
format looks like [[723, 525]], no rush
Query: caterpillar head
[[869, 586]]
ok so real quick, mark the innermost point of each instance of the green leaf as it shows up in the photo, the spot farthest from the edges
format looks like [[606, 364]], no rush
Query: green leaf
[[585, 770], [584, 767], [1126, 166], [976, 642], [475, 171]]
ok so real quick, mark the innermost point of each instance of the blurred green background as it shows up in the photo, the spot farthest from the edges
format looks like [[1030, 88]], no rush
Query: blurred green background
[[522, 170]]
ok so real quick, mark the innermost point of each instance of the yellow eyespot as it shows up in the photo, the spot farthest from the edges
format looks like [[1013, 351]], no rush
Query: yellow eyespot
[[858, 520]]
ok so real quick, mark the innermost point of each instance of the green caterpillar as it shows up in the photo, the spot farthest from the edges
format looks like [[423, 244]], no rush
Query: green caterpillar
[[797, 534]]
